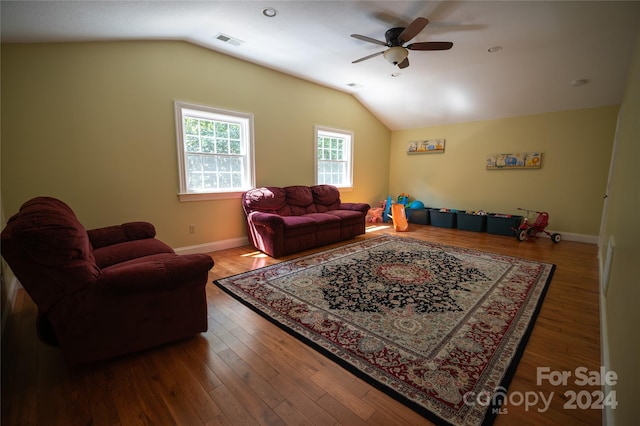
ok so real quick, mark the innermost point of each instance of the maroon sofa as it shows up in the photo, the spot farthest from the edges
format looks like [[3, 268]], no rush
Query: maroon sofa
[[103, 292], [282, 221]]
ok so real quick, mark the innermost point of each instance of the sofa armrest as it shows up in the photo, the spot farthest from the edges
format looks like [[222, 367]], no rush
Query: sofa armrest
[[361, 207], [155, 275], [270, 220], [130, 231], [129, 250]]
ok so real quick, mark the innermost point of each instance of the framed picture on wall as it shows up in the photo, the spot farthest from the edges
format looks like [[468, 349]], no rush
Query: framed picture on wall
[[427, 146], [520, 160]]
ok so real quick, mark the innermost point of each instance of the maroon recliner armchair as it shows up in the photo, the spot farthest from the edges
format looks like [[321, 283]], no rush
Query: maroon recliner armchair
[[103, 292]]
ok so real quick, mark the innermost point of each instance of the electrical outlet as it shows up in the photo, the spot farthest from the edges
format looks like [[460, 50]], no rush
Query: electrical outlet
[[192, 228]]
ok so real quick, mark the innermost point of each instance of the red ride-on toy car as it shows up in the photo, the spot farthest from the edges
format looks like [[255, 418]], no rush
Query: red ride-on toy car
[[530, 230]]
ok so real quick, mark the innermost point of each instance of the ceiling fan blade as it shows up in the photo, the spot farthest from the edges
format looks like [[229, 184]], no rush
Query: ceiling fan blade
[[368, 39], [367, 57], [413, 29], [431, 45], [404, 63]]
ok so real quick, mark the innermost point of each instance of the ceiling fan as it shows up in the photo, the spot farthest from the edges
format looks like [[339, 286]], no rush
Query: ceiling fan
[[397, 54]]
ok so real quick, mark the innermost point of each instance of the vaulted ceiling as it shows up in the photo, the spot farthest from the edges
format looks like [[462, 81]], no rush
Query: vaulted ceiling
[[549, 55]]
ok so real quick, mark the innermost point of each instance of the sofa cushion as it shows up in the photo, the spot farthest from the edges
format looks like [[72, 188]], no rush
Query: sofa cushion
[[50, 232], [328, 227], [346, 215], [45, 243], [129, 231], [299, 222], [269, 199], [326, 197], [299, 200], [324, 220]]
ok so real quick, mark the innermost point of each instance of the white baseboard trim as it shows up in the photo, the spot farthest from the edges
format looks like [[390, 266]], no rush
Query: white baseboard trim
[[607, 414], [213, 246]]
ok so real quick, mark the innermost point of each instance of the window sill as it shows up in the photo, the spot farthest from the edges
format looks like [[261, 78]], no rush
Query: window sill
[[209, 196]]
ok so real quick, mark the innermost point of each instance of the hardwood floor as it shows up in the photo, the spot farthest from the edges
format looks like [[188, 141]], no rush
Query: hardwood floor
[[246, 371]]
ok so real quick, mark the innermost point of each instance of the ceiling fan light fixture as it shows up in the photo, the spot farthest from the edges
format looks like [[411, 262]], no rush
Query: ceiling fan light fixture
[[396, 54]]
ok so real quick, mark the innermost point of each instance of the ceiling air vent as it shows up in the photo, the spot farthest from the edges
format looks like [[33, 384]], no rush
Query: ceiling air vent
[[228, 39]]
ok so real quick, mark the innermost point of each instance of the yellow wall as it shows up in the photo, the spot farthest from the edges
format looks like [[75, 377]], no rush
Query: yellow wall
[[576, 147], [621, 312], [93, 124]]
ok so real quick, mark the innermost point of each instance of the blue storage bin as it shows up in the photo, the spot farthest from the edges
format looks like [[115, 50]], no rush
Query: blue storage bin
[[472, 222], [503, 224], [419, 216], [443, 219]]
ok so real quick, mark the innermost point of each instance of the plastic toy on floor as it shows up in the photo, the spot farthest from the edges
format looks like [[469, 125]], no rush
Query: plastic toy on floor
[[399, 217], [531, 230], [404, 199], [417, 204], [386, 214], [374, 215]]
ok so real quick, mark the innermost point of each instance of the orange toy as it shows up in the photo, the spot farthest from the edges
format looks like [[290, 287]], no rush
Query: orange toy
[[399, 217]]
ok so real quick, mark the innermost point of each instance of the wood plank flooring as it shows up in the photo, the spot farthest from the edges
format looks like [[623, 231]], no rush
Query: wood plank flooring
[[246, 371]]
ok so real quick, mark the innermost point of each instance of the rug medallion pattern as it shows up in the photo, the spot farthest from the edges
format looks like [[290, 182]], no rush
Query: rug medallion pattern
[[425, 322]]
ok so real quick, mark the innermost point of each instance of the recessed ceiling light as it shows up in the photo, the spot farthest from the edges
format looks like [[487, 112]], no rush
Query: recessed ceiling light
[[269, 12], [494, 49], [580, 82]]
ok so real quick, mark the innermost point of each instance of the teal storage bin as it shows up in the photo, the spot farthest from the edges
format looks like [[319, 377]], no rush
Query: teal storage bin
[[442, 219], [419, 216], [472, 222], [500, 225]]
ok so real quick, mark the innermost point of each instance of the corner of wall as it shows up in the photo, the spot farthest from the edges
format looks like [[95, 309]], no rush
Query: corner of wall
[[10, 286]]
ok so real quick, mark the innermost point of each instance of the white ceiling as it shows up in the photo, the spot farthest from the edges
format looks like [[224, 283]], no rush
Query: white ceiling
[[545, 46]]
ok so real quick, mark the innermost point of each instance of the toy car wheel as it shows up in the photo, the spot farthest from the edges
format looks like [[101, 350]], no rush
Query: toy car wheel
[[556, 238], [521, 235]]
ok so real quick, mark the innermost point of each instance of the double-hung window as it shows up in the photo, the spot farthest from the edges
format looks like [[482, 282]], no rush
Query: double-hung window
[[334, 157], [215, 151]]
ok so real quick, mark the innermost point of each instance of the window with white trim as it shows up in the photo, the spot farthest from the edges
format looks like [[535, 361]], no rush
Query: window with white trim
[[215, 150], [334, 157]]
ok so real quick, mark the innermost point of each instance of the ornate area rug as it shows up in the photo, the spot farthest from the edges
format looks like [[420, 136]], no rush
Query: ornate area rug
[[433, 326]]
